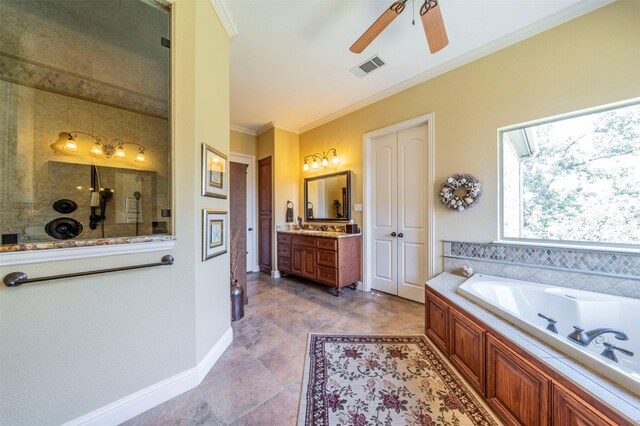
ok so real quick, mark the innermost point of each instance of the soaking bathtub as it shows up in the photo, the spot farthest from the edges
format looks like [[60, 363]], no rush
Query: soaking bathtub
[[524, 304]]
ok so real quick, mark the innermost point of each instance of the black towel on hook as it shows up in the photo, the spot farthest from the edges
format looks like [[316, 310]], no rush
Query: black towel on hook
[[289, 211]]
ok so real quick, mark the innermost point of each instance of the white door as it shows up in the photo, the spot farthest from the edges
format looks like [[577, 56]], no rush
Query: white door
[[399, 216]]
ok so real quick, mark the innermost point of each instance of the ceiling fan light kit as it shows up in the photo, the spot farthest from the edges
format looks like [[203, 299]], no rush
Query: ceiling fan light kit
[[432, 22]]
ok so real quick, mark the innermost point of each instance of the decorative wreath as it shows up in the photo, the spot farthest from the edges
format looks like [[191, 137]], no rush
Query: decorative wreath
[[460, 191]]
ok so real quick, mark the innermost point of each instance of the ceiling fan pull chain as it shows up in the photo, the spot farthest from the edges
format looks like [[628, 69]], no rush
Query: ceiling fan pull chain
[[413, 12]]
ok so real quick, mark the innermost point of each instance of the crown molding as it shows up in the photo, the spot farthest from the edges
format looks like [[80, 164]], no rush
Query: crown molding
[[568, 14], [242, 130], [275, 125], [225, 17]]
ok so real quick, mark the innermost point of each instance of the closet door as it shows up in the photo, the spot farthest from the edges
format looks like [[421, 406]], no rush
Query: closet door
[[399, 213], [384, 241], [412, 212]]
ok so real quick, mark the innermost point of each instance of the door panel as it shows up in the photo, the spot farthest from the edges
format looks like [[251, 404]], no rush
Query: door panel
[[238, 220], [412, 212], [384, 203], [265, 196]]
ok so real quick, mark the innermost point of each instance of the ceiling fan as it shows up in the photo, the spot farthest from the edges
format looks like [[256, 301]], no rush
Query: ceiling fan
[[431, 21]]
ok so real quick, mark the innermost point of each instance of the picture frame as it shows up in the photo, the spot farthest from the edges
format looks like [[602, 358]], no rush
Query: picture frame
[[214, 233], [214, 173]]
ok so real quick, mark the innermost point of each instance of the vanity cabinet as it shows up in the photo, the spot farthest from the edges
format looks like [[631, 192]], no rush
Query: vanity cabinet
[[520, 389], [334, 261]]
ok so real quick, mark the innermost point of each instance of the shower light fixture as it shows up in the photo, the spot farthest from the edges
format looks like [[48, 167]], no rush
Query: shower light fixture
[[102, 147], [318, 159]]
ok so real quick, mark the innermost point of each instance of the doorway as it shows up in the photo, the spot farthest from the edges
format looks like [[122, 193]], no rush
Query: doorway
[[251, 209], [398, 213]]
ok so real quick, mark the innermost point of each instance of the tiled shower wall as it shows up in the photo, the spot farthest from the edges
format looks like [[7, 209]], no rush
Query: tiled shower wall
[[600, 271]]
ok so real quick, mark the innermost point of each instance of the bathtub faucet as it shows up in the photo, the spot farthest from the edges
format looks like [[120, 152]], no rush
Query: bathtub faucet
[[583, 338]]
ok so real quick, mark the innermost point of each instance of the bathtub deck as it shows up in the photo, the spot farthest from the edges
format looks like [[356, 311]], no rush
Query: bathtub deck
[[618, 398]]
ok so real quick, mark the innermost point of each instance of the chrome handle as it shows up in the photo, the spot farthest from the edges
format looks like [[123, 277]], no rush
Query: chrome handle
[[393, 234]]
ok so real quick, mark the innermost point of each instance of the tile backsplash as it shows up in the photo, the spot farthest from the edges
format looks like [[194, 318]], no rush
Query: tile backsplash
[[601, 271]]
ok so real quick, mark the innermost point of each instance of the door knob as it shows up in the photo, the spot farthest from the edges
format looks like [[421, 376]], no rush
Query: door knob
[[400, 235], [250, 229], [393, 234]]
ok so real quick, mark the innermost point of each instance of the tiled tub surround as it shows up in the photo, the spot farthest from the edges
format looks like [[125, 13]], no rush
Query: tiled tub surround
[[612, 395], [584, 269]]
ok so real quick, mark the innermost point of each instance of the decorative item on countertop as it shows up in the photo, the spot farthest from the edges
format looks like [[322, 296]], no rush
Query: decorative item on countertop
[[460, 191], [351, 228], [466, 271], [299, 221], [289, 217], [237, 293]]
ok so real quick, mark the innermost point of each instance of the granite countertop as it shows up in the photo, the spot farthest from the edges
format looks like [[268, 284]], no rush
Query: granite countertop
[[618, 398], [315, 233], [46, 245]]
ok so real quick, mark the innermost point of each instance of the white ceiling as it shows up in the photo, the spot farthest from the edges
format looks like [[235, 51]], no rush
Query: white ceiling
[[290, 59]]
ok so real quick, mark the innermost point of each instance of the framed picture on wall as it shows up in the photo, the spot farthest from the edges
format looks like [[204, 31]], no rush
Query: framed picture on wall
[[214, 238], [214, 173]]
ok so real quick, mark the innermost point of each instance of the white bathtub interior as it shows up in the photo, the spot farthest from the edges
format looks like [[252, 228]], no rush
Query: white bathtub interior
[[520, 302]]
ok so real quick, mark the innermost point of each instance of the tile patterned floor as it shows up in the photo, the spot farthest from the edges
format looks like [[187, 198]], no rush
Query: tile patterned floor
[[257, 380]]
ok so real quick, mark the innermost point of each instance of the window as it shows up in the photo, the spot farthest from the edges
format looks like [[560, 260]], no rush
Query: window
[[84, 120], [573, 180]]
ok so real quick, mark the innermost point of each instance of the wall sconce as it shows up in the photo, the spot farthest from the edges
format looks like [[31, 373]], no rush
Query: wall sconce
[[318, 160], [102, 147]]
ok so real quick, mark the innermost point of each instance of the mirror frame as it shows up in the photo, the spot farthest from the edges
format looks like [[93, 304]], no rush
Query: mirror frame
[[347, 217]]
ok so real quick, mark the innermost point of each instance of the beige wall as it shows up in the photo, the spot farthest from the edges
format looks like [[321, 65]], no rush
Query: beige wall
[[589, 61], [242, 143], [75, 345]]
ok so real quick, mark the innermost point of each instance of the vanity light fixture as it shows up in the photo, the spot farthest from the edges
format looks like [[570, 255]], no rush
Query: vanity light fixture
[[102, 146], [318, 159]]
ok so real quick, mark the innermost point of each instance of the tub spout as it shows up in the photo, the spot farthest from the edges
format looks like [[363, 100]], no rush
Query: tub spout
[[582, 337]]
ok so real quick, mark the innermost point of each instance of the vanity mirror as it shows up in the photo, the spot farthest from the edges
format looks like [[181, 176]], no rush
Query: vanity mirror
[[328, 197]]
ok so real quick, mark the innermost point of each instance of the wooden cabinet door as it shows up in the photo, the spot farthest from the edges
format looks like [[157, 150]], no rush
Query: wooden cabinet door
[[265, 221], [570, 410], [466, 348], [516, 390], [436, 321], [303, 261]]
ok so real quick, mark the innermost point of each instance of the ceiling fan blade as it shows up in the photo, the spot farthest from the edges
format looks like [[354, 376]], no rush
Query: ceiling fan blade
[[433, 25], [378, 26]]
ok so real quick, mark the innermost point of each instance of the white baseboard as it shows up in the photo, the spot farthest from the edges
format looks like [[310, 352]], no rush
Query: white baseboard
[[275, 273], [149, 397], [214, 354]]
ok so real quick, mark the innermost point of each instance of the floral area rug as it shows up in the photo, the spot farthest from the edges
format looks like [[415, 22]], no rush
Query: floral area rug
[[364, 380]]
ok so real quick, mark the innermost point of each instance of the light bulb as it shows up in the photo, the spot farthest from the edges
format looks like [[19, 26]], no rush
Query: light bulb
[[305, 167], [140, 157], [70, 145], [315, 164], [96, 149], [120, 152], [325, 162], [335, 160]]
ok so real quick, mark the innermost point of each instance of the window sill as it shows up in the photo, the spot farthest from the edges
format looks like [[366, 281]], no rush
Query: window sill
[[22, 254]]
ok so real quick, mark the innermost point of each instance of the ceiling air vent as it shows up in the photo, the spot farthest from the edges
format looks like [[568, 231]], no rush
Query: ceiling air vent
[[367, 66]]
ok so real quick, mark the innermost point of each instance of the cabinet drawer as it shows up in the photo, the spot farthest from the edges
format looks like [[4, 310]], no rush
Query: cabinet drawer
[[284, 250], [299, 240], [284, 239], [327, 243], [284, 264], [327, 258], [327, 275]]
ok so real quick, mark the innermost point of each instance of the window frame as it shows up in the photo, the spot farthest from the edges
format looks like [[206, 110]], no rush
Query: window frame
[[592, 245]]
